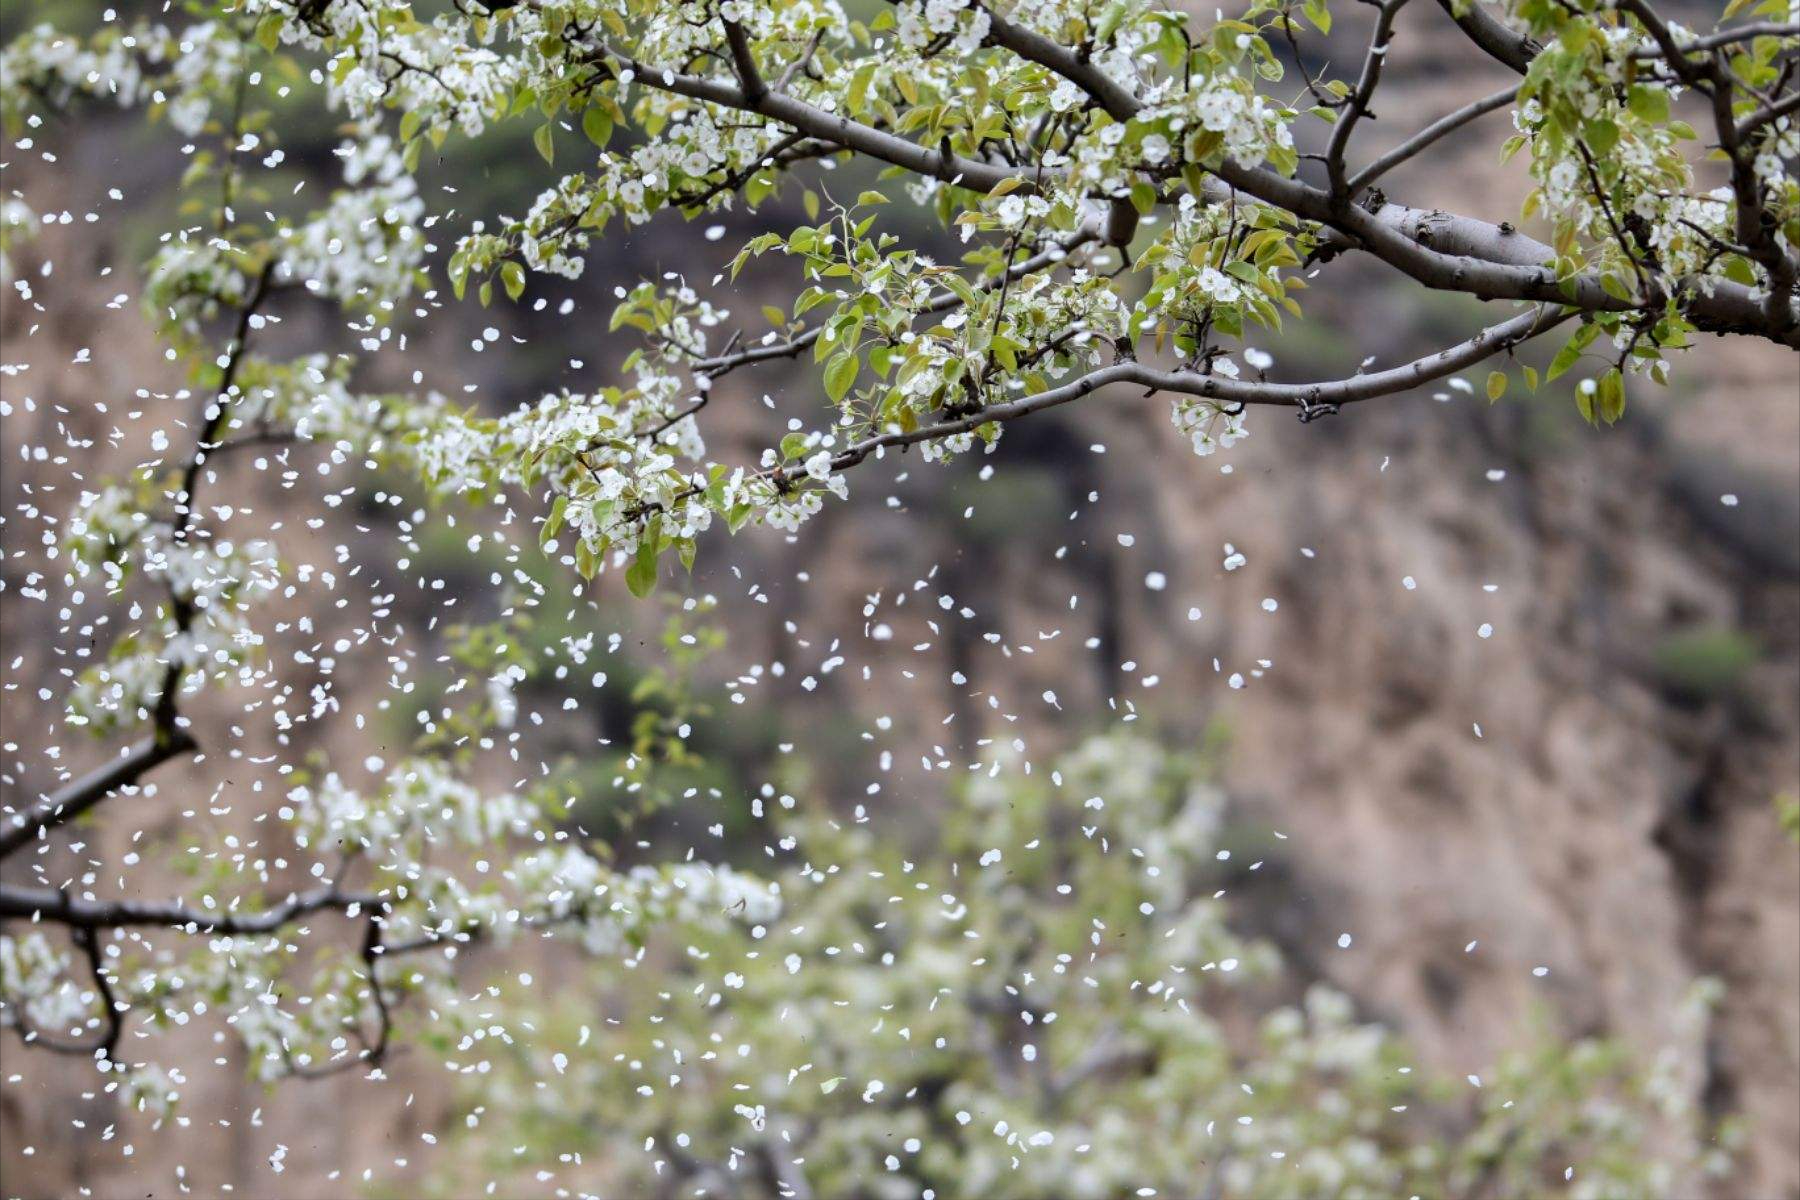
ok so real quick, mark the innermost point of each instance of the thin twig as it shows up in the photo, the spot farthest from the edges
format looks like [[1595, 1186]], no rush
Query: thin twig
[[1419, 141]]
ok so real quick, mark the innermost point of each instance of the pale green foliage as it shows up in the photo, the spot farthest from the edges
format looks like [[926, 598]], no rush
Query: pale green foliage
[[1787, 814], [1044, 998]]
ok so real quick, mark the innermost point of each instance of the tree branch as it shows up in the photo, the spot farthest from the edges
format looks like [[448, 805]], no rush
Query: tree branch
[[114, 1021], [1358, 106], [1494, 262], [89, 941], [62, 908], [1304, 396], [166, 715], [1772, 111], [1725, 37], [1725, 307], [70, 801], [1107, 92], [169, 739], [1496, 39], [744, 63], [1412, 146], [829, 127], [1712, 79]]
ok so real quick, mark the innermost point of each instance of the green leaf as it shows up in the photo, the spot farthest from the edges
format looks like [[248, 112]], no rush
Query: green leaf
[[1110, 19], [840, 373], [554, 521], [1602, 136], [512, 277], [1565, 358], [1143, 197], [1610, 399], [1496, 385], [1584, 404], [544, 141], [1237, 268], [1571, 351], [640, 576], [1005, 352], [596, 122]]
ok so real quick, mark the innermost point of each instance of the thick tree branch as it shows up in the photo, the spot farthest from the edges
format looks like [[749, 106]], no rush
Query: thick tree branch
[[1494, 262], [744, 63], [1111, 96], [1107, 92], [1496, 39]]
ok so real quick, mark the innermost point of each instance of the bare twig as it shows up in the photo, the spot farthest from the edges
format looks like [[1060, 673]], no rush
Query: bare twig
[[1423, 139], [1364, 92]]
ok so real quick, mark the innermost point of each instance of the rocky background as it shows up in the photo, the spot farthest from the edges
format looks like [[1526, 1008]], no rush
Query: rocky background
[[1593, 789]]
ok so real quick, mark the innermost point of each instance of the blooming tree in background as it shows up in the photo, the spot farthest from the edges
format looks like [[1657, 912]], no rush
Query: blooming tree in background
[[1128, 186], [1035, 1002]]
